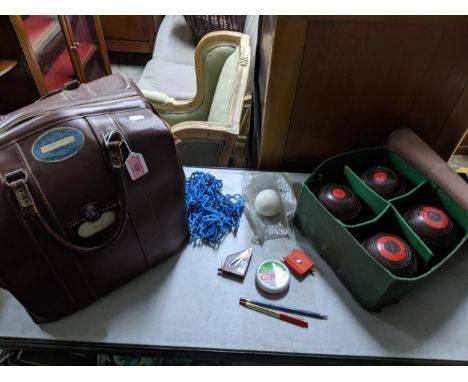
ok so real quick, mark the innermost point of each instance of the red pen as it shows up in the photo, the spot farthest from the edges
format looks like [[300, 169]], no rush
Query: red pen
[[273, 313]]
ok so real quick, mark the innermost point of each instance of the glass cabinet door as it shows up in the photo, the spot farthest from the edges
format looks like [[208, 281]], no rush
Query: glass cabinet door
[[86, 46], [50, 49], [65, 48]]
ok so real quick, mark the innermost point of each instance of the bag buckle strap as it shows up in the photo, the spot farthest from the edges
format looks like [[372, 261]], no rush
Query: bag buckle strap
[[113, 142], [16, 180]]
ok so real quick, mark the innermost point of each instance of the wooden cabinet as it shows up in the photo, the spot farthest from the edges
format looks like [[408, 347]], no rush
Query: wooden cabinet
[[50, 51], [130, 33], [338, 83]]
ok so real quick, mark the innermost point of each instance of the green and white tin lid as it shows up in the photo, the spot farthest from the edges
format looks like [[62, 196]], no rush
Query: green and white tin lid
[[273, 276]]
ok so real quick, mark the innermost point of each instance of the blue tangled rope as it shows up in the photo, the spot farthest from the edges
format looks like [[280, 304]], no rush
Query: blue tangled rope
[[211, 215]]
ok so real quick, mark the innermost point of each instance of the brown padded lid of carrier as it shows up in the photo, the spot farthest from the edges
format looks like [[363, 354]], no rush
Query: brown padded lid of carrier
[[419, 154]]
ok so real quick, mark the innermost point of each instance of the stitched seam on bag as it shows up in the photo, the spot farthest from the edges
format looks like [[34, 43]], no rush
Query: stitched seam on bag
[[79, 264], [161, 243], [2, 182], [51, 267], [182, 177], [177, 157], [126, 81], [179, 168], [81, 271], [39, 192], [37, 187], [121, 130], [66, 95], [2, 282], [89, 90], [119, 126], [21, 137], [84, 274], [43, 254], [63, 105], [98, 133], [148, 264], [35, 183]]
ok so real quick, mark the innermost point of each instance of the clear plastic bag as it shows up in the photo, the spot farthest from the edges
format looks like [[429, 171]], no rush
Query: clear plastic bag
[[265, 228]]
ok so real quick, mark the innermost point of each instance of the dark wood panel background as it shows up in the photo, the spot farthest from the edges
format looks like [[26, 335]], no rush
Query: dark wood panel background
[[362, 77], [281, 49], [132, 33]]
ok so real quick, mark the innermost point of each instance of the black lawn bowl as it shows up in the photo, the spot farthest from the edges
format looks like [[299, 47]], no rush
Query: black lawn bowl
[[340, 201], [432, 225], [393, 253], [384, 181]]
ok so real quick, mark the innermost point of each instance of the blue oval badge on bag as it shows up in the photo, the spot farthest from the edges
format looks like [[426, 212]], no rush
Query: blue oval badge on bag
[[58, 144]]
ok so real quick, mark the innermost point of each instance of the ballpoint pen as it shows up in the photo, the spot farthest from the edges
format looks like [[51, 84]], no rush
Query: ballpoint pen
[[301, 312], [273, 313]]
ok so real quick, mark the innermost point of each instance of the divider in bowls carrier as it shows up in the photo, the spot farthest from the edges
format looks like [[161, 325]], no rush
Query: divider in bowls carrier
[[428, 194], [340, 244], [392, 223], [381, 157], [331, 173]]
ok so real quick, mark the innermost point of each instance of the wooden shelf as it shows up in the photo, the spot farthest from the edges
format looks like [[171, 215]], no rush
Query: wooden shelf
[[6, 66]]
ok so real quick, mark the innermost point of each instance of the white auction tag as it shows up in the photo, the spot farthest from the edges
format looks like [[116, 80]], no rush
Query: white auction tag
[[136, 165]]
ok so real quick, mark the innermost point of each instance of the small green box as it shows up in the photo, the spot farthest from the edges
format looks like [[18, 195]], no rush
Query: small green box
[[340, 244]]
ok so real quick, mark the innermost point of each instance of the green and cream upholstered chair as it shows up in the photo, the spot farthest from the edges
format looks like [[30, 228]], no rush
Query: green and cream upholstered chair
[[208, 124]]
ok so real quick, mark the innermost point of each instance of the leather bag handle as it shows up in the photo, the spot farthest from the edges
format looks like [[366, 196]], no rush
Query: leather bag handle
[[17, 182], [68, 86]]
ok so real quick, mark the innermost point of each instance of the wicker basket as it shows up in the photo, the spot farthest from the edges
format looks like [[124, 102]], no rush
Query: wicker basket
[[201, 25]]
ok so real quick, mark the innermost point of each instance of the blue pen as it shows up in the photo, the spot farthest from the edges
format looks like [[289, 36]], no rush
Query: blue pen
[[301, 312]]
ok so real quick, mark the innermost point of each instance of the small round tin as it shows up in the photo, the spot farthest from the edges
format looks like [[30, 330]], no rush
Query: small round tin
[[273, 276]]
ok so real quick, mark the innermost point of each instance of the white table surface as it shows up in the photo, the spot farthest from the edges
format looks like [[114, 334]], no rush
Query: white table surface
[[184, 304]]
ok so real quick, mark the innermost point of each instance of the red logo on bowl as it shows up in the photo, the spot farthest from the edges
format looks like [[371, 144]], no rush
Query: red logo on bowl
[[338, 193], [434, 217], [380, 176], [391, 248]]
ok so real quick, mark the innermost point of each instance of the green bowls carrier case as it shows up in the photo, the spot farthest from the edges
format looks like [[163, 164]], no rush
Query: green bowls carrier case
[[428, 179]]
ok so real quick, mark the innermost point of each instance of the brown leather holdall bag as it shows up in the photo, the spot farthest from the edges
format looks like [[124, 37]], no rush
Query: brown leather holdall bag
[[92, 196]]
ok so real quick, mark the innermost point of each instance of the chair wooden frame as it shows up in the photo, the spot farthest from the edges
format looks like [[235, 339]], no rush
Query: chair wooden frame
[[204, 131]]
